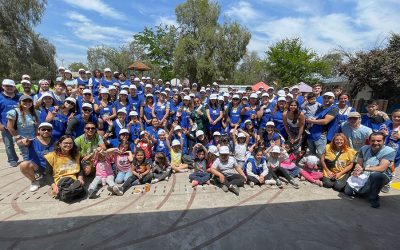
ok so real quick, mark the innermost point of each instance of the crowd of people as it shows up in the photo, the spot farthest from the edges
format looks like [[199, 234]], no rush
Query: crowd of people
[[123, 132]]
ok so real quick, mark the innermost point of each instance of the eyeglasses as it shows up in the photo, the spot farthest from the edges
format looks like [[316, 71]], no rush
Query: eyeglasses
[[46, 129], [90, 128], [87, 110], [70, 102]]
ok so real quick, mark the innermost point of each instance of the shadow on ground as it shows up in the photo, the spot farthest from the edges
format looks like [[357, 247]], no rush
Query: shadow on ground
[[323, 224]]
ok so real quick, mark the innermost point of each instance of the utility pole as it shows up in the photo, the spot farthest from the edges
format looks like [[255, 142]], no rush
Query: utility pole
[[62, 62]]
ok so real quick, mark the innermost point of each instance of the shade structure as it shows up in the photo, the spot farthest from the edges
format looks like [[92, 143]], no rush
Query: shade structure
[[138, 66], [303, 88], [259, 85]]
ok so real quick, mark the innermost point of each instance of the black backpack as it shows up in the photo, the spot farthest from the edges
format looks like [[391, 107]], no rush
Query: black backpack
[[69, 189]]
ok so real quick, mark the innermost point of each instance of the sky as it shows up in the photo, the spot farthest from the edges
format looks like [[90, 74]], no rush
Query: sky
[[323, 25]]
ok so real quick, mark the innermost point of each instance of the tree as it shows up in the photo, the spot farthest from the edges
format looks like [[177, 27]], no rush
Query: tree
[[75, 66], [22, 50], [251, 70], [334, 59], [378, 68], [206, 50], [159, 45], [288, 63]]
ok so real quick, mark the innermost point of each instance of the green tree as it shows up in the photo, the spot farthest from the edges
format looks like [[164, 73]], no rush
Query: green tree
[[205, 49], [288, 63], [21, 49], [159, 44], [251, 70], [75, 66]]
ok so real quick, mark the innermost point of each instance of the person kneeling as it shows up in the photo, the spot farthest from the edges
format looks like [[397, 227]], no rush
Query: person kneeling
[[228, 172]]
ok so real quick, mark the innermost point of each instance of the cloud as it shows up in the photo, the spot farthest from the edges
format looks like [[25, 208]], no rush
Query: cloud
[[243, 11], [86, 30], [97, 6], [62, 40], [166, 20]]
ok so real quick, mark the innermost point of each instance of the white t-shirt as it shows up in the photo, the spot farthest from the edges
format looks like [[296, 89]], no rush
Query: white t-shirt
[[226, 168]]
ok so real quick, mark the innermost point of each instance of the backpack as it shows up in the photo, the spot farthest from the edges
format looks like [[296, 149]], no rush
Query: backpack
[[69, 189]]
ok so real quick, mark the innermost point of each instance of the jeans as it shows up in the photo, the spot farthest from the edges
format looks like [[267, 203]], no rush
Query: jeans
[[372, 187], [201, 177], [131, 181], [10, 150], [98, 180], [24, 151], [317, 147], [122, 177]]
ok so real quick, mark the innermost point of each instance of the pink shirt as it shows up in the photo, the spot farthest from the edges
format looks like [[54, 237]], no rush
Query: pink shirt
[[122, 162], [104, 168]]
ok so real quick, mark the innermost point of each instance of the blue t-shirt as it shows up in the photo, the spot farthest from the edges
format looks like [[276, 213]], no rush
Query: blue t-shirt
[[372, 159], [37, 150], [7, 104], [114, 143], [356, 137]]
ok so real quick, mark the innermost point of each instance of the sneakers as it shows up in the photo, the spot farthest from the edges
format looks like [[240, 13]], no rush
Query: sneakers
[[34, 186], [307, 131], [251, 184], [194, 183], [92, 194], [166, 178], [234, 189], [154, 181], [279, 183], [136, 182], [294, 184], [318, 183], [385, 189], [224, 188], [117, 190], [270, 182], [375, 203]]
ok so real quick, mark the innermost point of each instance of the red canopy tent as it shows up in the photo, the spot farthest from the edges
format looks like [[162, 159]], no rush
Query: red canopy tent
[[259, 85]]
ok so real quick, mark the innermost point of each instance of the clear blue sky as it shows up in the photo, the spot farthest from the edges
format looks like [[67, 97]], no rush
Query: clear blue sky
[[74, 25]]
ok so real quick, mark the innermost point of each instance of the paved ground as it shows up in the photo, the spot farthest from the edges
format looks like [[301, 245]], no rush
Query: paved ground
[[173, 216]]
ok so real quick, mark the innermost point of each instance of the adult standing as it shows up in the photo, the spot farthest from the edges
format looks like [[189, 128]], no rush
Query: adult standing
[[8, 101], [34, 167], [77, 123], [356, 133], [317, 90], [324, 125], [344, 108], [107, 79], [277, 115], [294, 121], [376, 160]]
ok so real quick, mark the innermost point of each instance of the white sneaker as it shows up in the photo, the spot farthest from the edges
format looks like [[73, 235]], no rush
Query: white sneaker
[[34, 186], [154, 181]]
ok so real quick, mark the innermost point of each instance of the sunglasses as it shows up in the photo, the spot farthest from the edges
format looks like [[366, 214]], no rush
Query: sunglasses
[[90, 128], [69, 102], [87, 110], [46, 129], [81, 88], [87, 94]]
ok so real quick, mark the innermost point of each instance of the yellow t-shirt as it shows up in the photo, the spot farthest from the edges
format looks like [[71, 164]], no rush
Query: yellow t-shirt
[[63, 166], [176, 158], [342, 162]]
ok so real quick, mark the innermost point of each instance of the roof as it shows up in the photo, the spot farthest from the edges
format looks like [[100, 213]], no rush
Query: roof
[[139, 66], [337, 80]]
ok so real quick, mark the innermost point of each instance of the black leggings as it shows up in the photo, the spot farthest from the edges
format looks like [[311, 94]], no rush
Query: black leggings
[[279, 171], [337, 185], [235, 179], [128, 183]]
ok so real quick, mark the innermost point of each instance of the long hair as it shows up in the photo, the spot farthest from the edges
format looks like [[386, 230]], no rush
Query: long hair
[[73, 153], [161, 159], [296, 113], [276, 108], [32, 111], [345, 144]]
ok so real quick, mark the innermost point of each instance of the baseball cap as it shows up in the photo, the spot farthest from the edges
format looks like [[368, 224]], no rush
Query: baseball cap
[[107, 70], [104, 91], [213, 150], [87, 105], [45, 124], [82, 70], [226, 94], [265, 95], [123, 131], [161, 131], [46, 94], [143, 133], [137, 79], [199, 133], [281, 93], [295, 87], [241, 135], [8, 82], [186, 98], [247, 121], [191, 95], [282, 98], [123, 110], [25, 97], [148, 86], [123, 92], [221, 98], [213, 97], [270, 124], [164, 93], [289, 95], [71, 99], [68, 71], [176, 143], [149, 95], [275, 149], [216, 133], [235, 96], [354, 114], [133, 113], [224, 150], [25, 81], [111, 87], [87, 91], [132, 86], [270, 88], [177, 128], [61, 68], [329, 94], [253, 95]]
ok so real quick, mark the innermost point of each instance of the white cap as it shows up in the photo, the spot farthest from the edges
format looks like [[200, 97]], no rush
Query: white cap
[[45, 124], [148, 86], [253, 95], [167, 89], [8, 82], [289, 95], [312, 159], [26, 76], [264, 95], [107, 70], [258, 92], [245, 97], [61, 68], [199, 132], [203, 90], [123, 92], [104, 91], [161, 131], [187, 98], [247, 121], [111, 87], [115, 72], [226, 94], [132, 86], [148, 78], [88, 72], [137, 79], [87, 105], [116, 84], [213, 97], [329, 94], [167, 83], [281, 93], [125, 87], [192, 95], [241, 135], [215, 84], [164, 93], [123, 131], [133, 113], [270, 123], [194, 84], [224, 150], [221, 98], [235, 96], [46, 94], [68, 71], [86, 91], [213, 150], [70, 99], [25, 81], [282, 98], [123, 110], [144, 78], [176, 143], [149, 95], [82, 70], [143, 133], [295, 87], [177, 127], [156, 91], [275, 149], [216, 133], [271, 88]]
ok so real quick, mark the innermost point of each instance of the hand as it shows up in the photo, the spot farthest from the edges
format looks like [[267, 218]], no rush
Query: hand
[[245, 178], [54, 189], [338, 175], [25, 142], [222, 179], [261, 179], [80, 179], [330, 174]]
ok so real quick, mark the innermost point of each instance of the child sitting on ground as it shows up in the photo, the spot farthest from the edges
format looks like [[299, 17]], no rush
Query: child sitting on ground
[[161, 168], [123, 158], [201, 173], [256, 169], [290, 163], [310, 169], [176, 156], [104, 174]]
